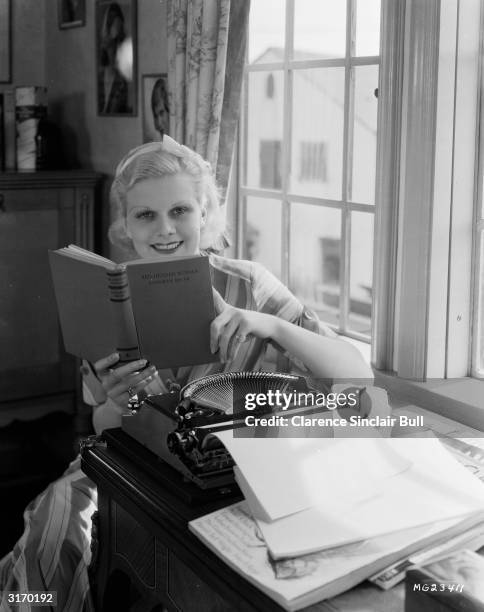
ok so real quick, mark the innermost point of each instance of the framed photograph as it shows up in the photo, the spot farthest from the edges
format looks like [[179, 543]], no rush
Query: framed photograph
[[155, 109], [5, 41], [72, 13], [116, 61]]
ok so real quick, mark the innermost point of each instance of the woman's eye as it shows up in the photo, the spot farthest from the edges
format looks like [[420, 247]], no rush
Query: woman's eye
[[145, 214], [179, 210]]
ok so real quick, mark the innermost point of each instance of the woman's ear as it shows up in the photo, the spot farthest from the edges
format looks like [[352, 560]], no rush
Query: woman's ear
[[203, 218]]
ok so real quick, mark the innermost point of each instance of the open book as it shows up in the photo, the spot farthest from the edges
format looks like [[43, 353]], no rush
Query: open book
[[157, 309], [323, 493]]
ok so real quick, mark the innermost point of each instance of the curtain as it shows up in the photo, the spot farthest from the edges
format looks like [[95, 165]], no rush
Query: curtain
[[206, 53]]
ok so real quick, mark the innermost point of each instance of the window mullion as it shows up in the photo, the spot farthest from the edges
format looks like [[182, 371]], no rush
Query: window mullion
[[286, 141], [477, 362], [347, 167]]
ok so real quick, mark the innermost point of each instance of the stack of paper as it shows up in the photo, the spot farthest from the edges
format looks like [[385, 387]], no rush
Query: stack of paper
[[333, 512], [232, 534], [317, 494]]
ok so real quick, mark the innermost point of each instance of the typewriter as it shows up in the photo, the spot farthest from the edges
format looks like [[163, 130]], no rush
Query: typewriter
[[180, 427]]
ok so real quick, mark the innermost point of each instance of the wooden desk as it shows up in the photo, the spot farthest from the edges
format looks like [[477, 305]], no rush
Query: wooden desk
[[147, 560]]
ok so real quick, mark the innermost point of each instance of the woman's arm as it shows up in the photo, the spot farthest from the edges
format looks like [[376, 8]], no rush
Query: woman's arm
[[324, 357]]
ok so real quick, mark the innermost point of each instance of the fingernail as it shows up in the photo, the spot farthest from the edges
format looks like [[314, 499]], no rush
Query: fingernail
[[142, 362], [114, 356]]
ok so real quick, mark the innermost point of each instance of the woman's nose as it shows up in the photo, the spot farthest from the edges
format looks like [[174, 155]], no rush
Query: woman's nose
[[165, 226]]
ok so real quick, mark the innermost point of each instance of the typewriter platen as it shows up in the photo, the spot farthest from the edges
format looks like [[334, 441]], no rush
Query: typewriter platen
[[179, 427]]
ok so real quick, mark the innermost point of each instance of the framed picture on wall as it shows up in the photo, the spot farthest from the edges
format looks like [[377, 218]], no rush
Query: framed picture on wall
[[155, 109], [72, 13], [5, 41], [116, 62]]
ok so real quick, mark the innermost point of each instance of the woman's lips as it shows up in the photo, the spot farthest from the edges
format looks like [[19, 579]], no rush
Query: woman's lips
[[168, 248]]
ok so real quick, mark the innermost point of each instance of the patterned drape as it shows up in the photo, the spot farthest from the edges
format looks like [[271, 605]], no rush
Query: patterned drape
[[206, 52]]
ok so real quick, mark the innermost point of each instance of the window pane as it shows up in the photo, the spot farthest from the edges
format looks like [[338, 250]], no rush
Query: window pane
[[367, 27], [317, 132], [364, 134], [319, 29], [361, 272], [315, 258], [264, 129], [263, 233], [266, 30]]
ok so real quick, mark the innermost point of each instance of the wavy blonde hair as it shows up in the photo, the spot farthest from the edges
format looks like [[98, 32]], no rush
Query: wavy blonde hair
[[167, 158]]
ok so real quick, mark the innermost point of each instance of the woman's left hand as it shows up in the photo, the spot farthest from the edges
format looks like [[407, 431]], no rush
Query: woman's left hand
[[232, 326]]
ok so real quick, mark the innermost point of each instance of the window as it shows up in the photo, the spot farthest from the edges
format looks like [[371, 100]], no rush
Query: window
[[313, 162], [270, 86], [270, 164], [308, 152]]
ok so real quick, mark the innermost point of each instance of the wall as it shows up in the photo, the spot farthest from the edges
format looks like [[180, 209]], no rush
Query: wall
[[28, 43], [90, 140]]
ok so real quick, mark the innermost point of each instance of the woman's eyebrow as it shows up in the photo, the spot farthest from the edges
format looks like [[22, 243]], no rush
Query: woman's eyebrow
[[138, 206], [190, 202]]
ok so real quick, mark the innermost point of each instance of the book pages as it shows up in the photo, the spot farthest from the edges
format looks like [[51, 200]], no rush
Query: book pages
[[316, 471], [435, 488]]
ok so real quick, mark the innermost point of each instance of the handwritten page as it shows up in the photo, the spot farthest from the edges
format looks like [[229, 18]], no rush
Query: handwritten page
[[283, 476], [295, 583]]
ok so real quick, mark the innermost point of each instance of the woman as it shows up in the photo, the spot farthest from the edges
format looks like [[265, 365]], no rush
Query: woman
[[159, 106], [166, 203], [113, 88]]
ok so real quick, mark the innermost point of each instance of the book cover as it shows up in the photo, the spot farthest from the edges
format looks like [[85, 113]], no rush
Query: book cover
[[160, 310], [173, 308], [454, 582], [84, 308]]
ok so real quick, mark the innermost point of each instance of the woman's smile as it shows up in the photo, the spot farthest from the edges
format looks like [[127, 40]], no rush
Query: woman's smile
[[169, 248]]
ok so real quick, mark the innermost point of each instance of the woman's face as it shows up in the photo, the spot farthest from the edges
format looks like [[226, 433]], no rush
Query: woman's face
[[164, 217]]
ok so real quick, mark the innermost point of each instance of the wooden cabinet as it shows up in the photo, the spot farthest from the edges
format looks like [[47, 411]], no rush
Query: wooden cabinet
[[38, 211]]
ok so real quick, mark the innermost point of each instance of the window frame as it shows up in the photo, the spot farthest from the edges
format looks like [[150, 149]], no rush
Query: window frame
[[439, 346], [437, 190], [478, 234]]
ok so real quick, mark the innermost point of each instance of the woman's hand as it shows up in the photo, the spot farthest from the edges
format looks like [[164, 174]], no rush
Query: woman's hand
[[232, 326], [122, 383]]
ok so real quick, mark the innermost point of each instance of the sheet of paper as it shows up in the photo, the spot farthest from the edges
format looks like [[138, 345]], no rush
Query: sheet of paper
[[435, 488], [233, 535], [287, 475]]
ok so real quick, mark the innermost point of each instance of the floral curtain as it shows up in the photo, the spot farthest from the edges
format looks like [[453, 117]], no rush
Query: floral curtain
[[206, 53]]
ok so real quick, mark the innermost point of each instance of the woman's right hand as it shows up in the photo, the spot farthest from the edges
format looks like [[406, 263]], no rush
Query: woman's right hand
[[121, 383]]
